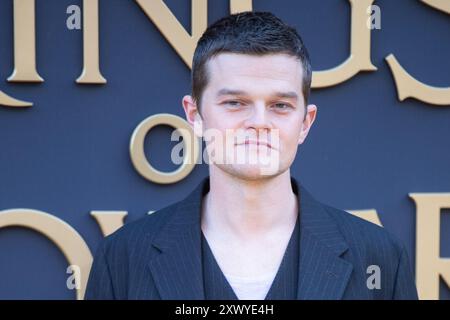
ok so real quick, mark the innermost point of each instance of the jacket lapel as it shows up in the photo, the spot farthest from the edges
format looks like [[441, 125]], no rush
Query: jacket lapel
[[177, 270], [323, 274]]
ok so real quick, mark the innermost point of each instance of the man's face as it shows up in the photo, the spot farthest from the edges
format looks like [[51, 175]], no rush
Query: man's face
[[256, 105]]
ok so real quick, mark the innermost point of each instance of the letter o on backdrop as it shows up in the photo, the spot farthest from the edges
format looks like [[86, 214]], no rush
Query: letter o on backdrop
[[190, 155]]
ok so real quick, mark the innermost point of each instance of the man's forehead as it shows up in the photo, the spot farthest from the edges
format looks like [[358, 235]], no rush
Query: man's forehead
[[278, 63], [281, 70]]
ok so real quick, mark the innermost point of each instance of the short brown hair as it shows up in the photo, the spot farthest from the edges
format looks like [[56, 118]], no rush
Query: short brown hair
[[254, 33]]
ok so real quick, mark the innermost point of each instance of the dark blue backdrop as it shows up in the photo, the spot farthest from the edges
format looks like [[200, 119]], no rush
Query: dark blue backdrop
[[68, 154]]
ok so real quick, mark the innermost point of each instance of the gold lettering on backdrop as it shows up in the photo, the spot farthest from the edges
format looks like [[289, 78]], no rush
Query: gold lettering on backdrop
[[91, 64], [24, 43], [109, 221], [237, 6], [66, 238], [443, 5], [370, 215], [190, 155], [9, 101], [429, 265], [408, 86], [183, 43], [24, 50], [359, 58]]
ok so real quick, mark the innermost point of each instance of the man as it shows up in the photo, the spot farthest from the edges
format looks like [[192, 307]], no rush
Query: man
[[250, 231]]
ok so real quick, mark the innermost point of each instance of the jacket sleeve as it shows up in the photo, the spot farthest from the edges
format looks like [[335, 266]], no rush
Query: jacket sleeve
[[99, 286], [405, 288]]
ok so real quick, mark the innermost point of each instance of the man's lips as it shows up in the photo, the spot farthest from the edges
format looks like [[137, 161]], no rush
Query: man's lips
[[254, 142]]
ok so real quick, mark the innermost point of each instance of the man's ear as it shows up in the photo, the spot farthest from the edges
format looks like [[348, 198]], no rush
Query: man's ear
[[311, 111], [193, 116]]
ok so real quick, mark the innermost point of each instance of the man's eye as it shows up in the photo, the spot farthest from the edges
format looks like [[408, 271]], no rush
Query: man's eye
[[281, 106], [233, 103]]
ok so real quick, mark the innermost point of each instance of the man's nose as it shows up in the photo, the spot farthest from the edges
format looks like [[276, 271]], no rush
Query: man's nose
[[258, 118]]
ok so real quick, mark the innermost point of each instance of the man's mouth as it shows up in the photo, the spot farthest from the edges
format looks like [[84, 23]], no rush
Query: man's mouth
[[256, 142]]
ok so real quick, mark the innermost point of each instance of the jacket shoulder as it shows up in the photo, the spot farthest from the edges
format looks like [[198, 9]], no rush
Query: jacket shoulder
[[362, 234], [372, 247], [136, 233], [120, 256]]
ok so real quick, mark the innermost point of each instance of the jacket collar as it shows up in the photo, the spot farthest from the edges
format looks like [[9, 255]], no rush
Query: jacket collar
[[177, 270]]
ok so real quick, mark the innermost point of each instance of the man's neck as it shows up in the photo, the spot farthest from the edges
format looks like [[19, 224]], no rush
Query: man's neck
[[248, 210]]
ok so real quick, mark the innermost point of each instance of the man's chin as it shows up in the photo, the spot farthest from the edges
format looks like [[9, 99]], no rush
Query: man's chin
[[251, 172]]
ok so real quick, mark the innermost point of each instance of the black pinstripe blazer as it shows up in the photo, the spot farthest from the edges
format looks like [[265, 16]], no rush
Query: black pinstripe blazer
[[159, 256]]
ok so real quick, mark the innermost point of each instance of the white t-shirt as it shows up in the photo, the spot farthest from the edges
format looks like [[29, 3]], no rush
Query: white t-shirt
[[251, 288]]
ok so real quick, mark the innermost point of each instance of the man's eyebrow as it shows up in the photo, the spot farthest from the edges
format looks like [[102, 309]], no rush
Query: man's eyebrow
[[233, 92], [286, 95], [230, 92]]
